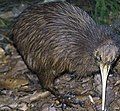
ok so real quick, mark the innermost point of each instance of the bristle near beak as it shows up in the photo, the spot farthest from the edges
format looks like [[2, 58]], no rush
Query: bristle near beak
[[104, 73]]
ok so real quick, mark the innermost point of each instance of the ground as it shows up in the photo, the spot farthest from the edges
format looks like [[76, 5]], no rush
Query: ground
[[20, 89]]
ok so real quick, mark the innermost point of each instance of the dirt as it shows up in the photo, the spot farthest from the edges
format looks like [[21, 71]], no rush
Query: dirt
[[20, 89]]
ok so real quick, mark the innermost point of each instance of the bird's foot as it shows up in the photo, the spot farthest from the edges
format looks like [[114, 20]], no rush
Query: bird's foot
[[70, 100]]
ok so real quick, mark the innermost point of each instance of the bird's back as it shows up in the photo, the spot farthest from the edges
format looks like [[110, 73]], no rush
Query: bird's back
[[55, 36]]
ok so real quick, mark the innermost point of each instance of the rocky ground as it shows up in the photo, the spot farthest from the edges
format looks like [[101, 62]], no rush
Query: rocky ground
[[20, 89]]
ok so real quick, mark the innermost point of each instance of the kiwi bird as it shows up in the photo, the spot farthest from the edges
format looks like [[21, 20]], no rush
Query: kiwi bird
[[57, 37]]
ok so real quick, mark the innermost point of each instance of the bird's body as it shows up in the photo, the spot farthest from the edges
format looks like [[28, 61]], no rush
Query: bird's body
[[57, 37]]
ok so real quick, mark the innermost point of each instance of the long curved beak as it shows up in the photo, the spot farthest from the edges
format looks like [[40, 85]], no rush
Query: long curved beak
[[104, 73]]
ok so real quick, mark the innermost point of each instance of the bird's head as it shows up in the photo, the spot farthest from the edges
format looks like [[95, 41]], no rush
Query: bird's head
[[105, 55]]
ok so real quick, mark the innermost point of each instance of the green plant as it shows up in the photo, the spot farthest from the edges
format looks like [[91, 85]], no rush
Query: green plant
[[106, 10]]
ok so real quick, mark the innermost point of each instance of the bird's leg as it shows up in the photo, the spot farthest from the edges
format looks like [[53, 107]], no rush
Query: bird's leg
[[66, 100], [62, 98], [73, 75]]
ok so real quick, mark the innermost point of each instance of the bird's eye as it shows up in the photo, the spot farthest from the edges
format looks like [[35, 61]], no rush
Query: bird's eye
[[98, 58]]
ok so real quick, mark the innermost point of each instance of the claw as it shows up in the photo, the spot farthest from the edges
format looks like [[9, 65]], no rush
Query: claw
[[70, 100]]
